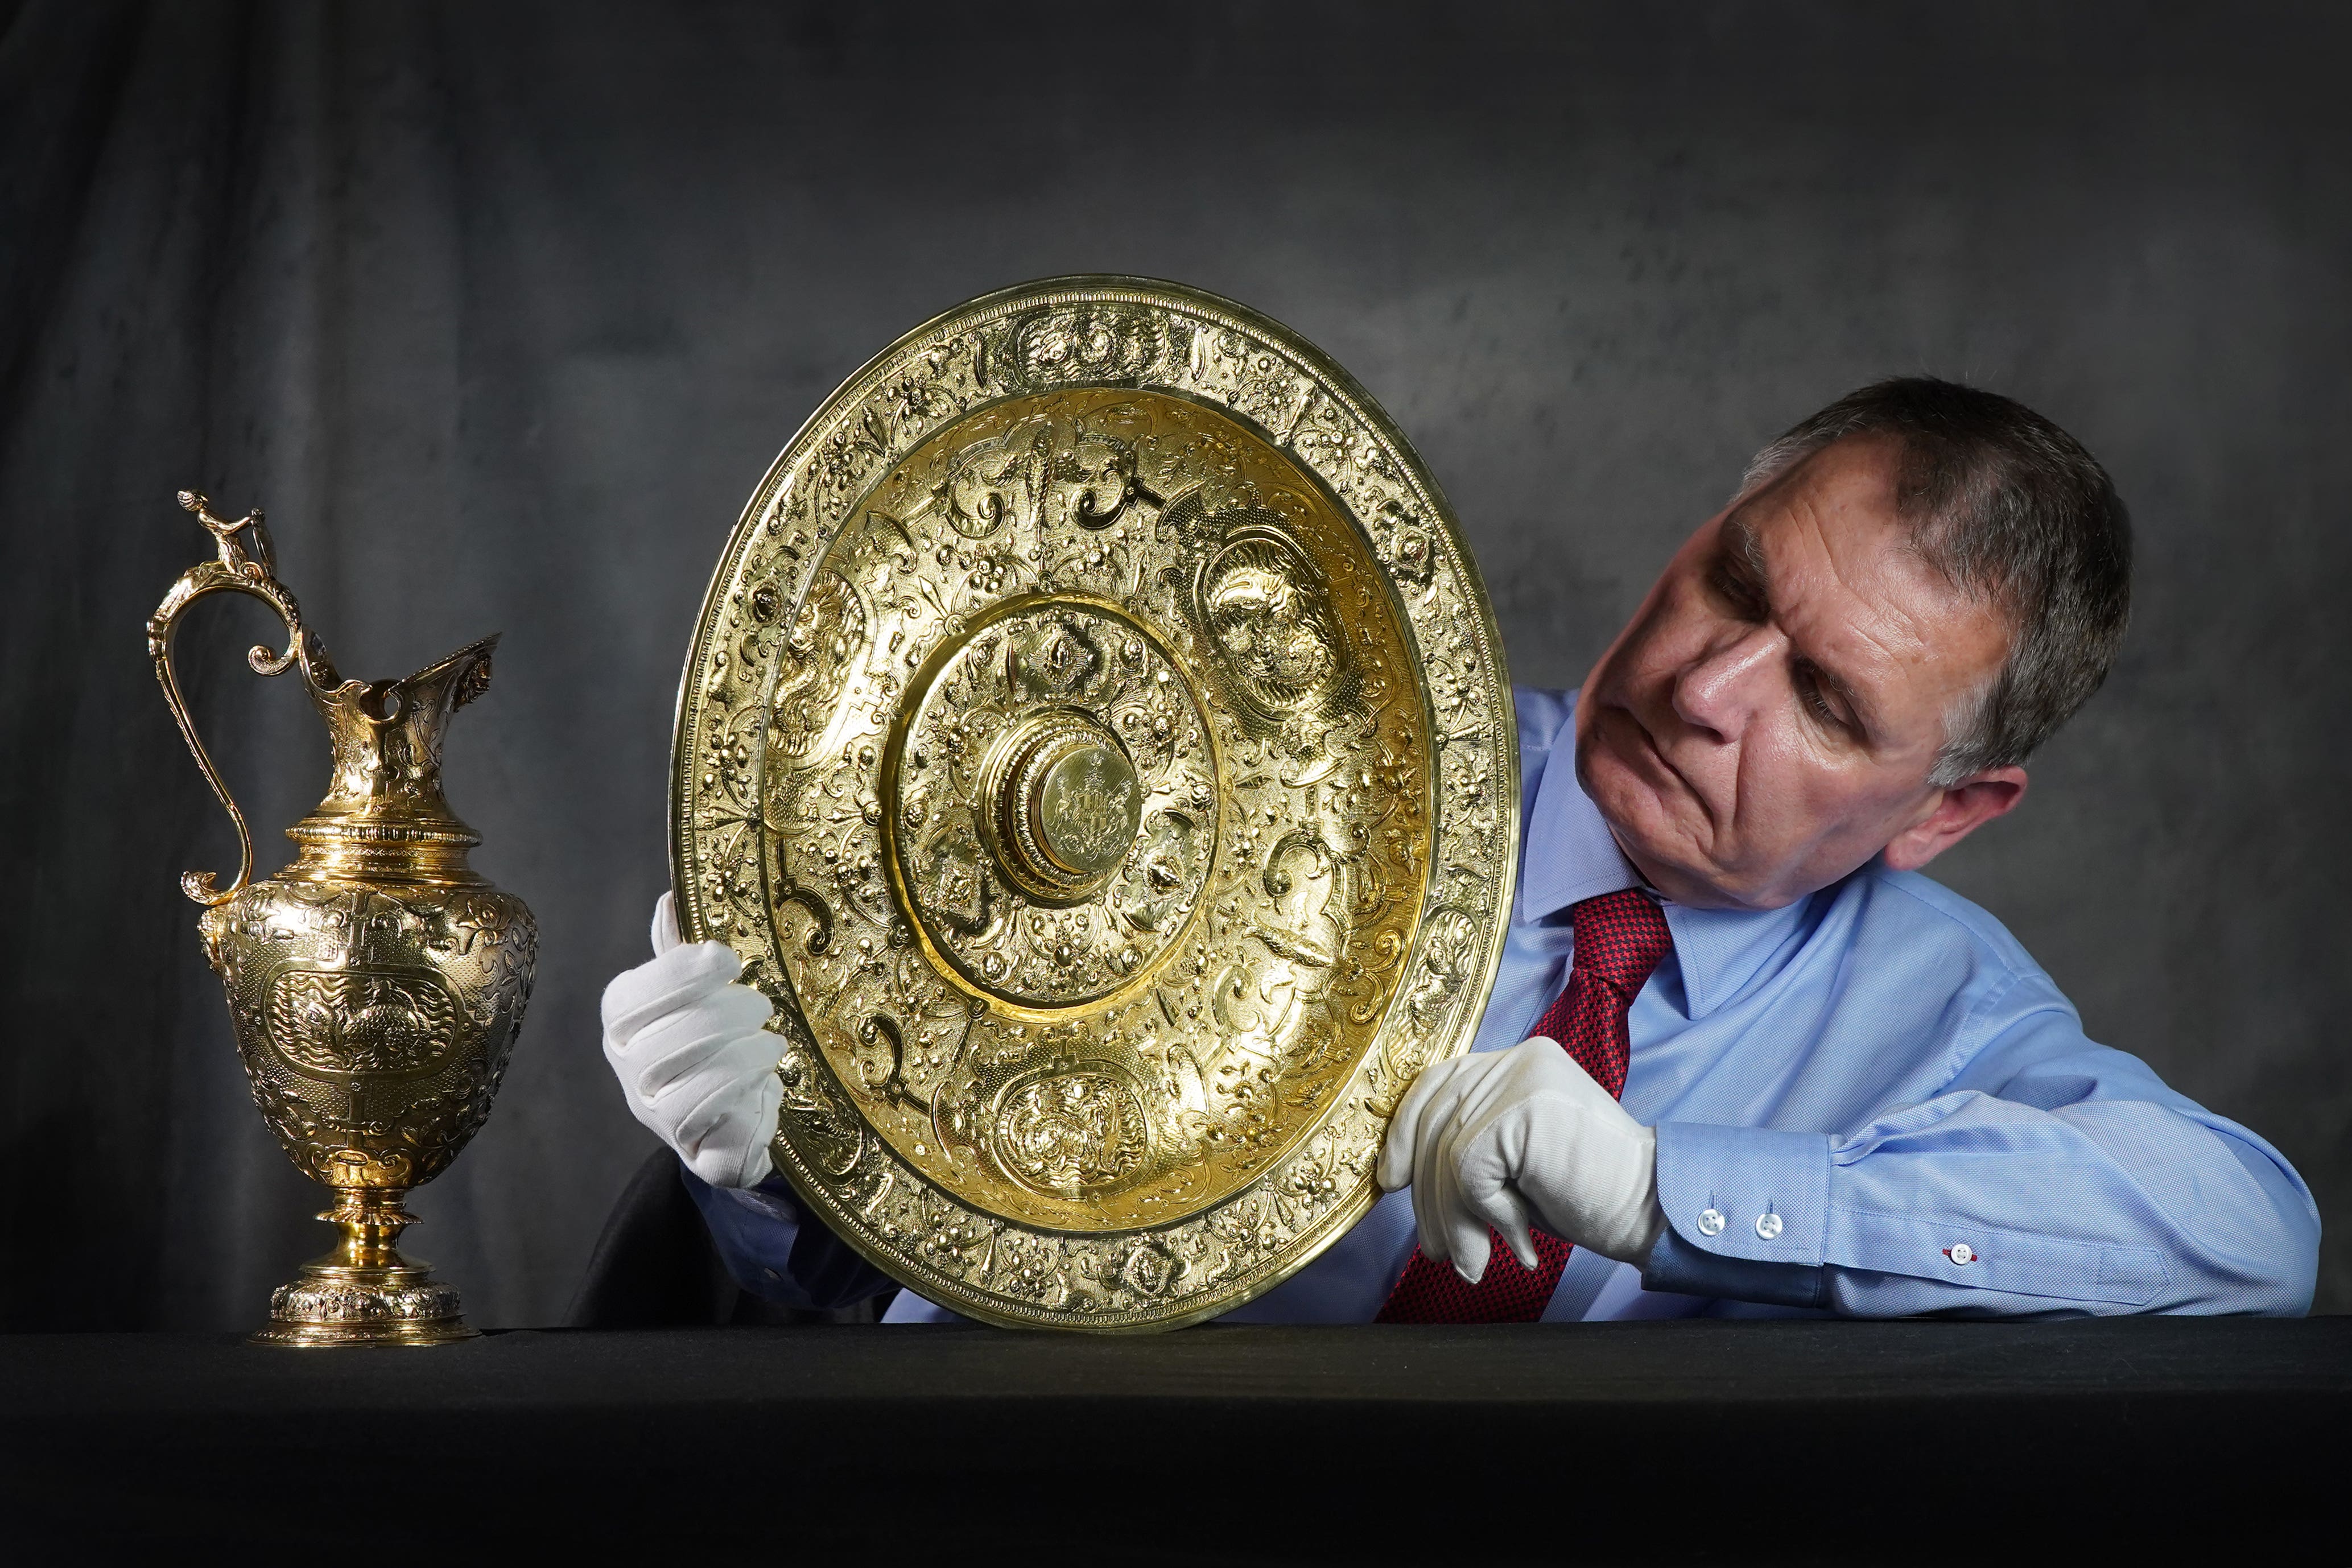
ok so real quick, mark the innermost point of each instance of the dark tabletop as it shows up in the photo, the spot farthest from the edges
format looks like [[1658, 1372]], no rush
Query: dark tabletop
[[1721, 1441]]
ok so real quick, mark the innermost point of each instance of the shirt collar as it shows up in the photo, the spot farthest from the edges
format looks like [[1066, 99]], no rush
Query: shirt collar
[[1568, 855], [1720, 951]]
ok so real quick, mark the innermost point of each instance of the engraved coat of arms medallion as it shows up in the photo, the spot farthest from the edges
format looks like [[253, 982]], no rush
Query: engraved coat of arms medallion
[[1097, 742]]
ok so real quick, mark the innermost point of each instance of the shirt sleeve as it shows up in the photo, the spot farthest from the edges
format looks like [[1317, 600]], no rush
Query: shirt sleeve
[[771, 1250], [2053, 1177]]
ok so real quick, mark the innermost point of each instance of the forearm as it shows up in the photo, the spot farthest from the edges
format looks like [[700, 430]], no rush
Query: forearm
[[1979, 1206], [771, 1249]]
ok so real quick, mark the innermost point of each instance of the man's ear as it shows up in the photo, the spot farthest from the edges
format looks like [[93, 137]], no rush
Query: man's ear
[[1962, 809]]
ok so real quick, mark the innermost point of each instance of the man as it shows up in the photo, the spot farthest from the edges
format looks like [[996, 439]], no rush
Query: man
[[1843, 1088]]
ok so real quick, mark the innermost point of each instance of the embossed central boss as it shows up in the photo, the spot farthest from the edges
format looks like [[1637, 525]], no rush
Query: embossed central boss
[[1107, 816], [1098, 744]]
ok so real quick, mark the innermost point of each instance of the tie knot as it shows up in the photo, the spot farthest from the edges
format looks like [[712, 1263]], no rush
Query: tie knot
[[1619, 937]]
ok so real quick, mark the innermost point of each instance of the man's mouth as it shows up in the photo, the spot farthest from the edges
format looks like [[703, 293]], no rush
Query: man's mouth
[[1648, 757]]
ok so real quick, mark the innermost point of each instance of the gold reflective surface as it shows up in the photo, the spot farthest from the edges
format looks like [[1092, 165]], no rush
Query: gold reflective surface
[[375, 984], [1097, 742]]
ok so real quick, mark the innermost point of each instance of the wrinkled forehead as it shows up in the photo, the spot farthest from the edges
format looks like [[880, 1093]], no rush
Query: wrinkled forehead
[[1842, 574], [1862, 492]]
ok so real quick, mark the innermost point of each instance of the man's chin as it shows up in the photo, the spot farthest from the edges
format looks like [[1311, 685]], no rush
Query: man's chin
[[1644, 814], [1629, 801]]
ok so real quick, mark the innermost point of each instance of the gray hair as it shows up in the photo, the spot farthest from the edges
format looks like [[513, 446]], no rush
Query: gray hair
[[2014, 512]]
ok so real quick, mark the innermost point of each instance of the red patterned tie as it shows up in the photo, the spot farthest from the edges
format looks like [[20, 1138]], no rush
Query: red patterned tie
[[1619, 937]]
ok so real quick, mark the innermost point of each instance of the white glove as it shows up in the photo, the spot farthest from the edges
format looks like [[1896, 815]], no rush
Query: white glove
[[687, 1044], [1513, 1136]]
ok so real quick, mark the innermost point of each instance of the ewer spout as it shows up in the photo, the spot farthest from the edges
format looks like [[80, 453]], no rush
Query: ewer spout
[[384, 818]]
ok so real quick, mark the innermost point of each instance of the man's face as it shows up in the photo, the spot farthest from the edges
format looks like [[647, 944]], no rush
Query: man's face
[[1767, 721]]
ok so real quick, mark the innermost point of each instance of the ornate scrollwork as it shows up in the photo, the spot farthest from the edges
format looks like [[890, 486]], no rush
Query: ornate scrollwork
[[1071, 1131], [1093, 740], [374, 1026], [360, 1020], [1266, 611], [1092, 344]]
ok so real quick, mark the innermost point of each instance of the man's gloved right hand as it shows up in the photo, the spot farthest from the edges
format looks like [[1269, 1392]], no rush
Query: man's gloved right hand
[[687, 1044]]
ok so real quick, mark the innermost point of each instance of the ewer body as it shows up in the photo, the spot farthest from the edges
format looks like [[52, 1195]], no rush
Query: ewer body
[[376, 983]]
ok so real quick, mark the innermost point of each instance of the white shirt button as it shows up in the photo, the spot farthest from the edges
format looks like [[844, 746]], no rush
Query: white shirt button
[[1710, 1222], [1961, 1254], [1768, 1224]]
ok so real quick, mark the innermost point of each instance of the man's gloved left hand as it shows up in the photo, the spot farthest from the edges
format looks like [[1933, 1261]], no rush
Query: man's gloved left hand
[[1508, 1138]]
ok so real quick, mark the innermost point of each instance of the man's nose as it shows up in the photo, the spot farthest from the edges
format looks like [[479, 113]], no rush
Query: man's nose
[[1720, 690]]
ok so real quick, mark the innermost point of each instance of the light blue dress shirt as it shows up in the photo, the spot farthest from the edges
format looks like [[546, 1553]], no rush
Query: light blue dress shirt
[[1872, 1102]]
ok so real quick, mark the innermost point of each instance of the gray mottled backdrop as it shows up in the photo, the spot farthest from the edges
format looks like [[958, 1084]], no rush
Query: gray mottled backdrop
[[501, 309]]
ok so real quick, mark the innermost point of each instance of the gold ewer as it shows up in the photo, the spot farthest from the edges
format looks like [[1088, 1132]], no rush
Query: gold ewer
[[375, 984]]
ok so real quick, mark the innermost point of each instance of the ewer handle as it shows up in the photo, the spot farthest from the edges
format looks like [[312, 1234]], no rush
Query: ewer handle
[[245, 567]]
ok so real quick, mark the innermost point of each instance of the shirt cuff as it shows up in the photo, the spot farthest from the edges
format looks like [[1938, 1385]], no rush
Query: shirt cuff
[[1747, 1214], [772, 1251], [753, 1230]]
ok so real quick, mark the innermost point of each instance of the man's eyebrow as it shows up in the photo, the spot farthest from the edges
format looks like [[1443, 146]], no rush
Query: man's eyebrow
[[1746, 550]]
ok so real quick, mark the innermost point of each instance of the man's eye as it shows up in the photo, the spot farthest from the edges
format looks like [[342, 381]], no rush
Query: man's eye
[[1815, 697]]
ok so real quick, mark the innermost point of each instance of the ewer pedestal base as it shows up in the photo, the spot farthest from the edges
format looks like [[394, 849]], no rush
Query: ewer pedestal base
[[364, 1292], [329, 1306]]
